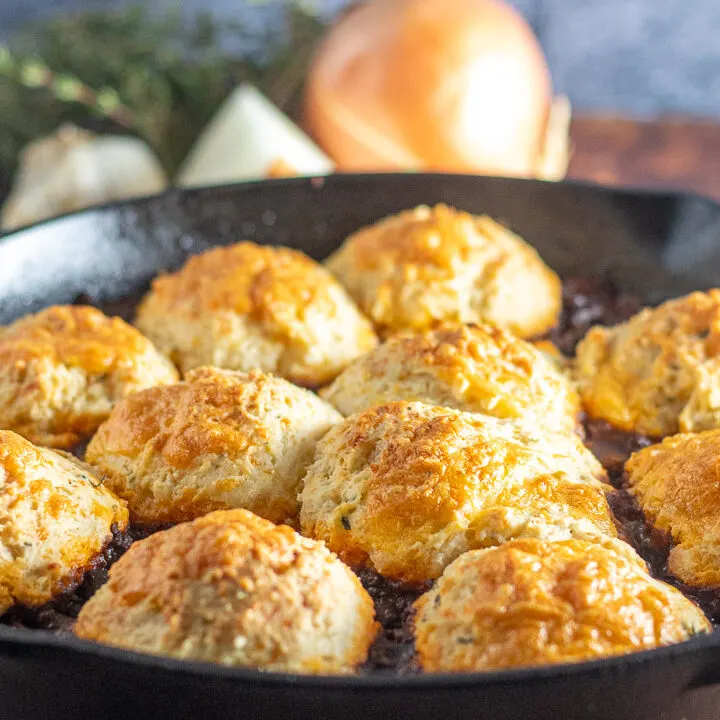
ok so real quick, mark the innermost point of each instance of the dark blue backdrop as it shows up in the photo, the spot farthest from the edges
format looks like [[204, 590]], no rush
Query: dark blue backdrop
[[633, 56]]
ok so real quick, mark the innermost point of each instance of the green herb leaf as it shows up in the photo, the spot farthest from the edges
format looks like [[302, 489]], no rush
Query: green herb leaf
[[158, 76]]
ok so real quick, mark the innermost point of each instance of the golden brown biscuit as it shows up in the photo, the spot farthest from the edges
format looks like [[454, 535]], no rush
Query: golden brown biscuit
[[550, 351], [659, 372], [677, 484], [248, 307], [530, 602], [476, 368], [234, 589], [63, 369], [406, 488], [55, 519], [426, 265], [218, 440]]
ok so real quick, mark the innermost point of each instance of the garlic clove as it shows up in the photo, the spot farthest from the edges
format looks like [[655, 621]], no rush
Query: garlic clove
[[555, 158], [74, 169], [250, 138]]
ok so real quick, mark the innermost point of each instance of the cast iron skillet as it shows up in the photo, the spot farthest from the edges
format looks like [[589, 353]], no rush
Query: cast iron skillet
[[651, 244]]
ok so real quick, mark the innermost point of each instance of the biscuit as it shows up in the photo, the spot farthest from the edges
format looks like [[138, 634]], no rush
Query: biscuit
[[252, 307], [426, 265], [531, 602], [659, 372], [63, 369], [677, 484], [234, 589], [55, 519], [216, 441], [405, 488], [475, 368]]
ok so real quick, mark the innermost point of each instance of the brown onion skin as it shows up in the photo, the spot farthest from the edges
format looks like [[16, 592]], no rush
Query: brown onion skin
[[444, 85]]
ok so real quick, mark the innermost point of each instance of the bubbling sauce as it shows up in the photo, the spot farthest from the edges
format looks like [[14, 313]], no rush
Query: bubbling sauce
[[393, 650], [589, 301]]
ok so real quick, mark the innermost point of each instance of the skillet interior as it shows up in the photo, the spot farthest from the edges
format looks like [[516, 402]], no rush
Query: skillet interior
[[651, 245]]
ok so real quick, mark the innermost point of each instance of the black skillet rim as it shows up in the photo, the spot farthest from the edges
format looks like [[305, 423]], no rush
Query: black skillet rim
[[322, 181], [15, 641], [22, 641]]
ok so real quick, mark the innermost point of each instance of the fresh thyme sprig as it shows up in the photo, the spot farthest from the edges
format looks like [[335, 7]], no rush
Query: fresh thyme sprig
[[160, 77], [33, 73]]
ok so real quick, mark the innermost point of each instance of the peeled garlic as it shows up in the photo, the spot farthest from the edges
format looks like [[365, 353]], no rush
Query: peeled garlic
[[73, 169], [250, 138]]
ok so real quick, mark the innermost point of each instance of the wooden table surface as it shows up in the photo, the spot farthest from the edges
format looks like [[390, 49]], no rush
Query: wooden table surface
[[668, 153]]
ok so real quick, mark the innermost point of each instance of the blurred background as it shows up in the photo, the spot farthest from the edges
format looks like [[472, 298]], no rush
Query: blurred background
[[634, 99], [644, 57]]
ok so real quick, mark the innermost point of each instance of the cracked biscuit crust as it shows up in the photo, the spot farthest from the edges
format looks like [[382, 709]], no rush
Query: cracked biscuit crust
[[530, 602], [677, 484], [659, 372], [475, 368], [63, 369], [421, 266], [247, 307], [55, 519], [216, 441], [234, 589], [406, 487]]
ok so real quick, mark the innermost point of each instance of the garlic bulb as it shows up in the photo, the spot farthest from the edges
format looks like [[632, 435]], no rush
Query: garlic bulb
[[250, 138], [73, 169]]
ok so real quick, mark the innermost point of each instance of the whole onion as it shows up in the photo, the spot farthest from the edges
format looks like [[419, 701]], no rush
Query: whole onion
[[448, 85]]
